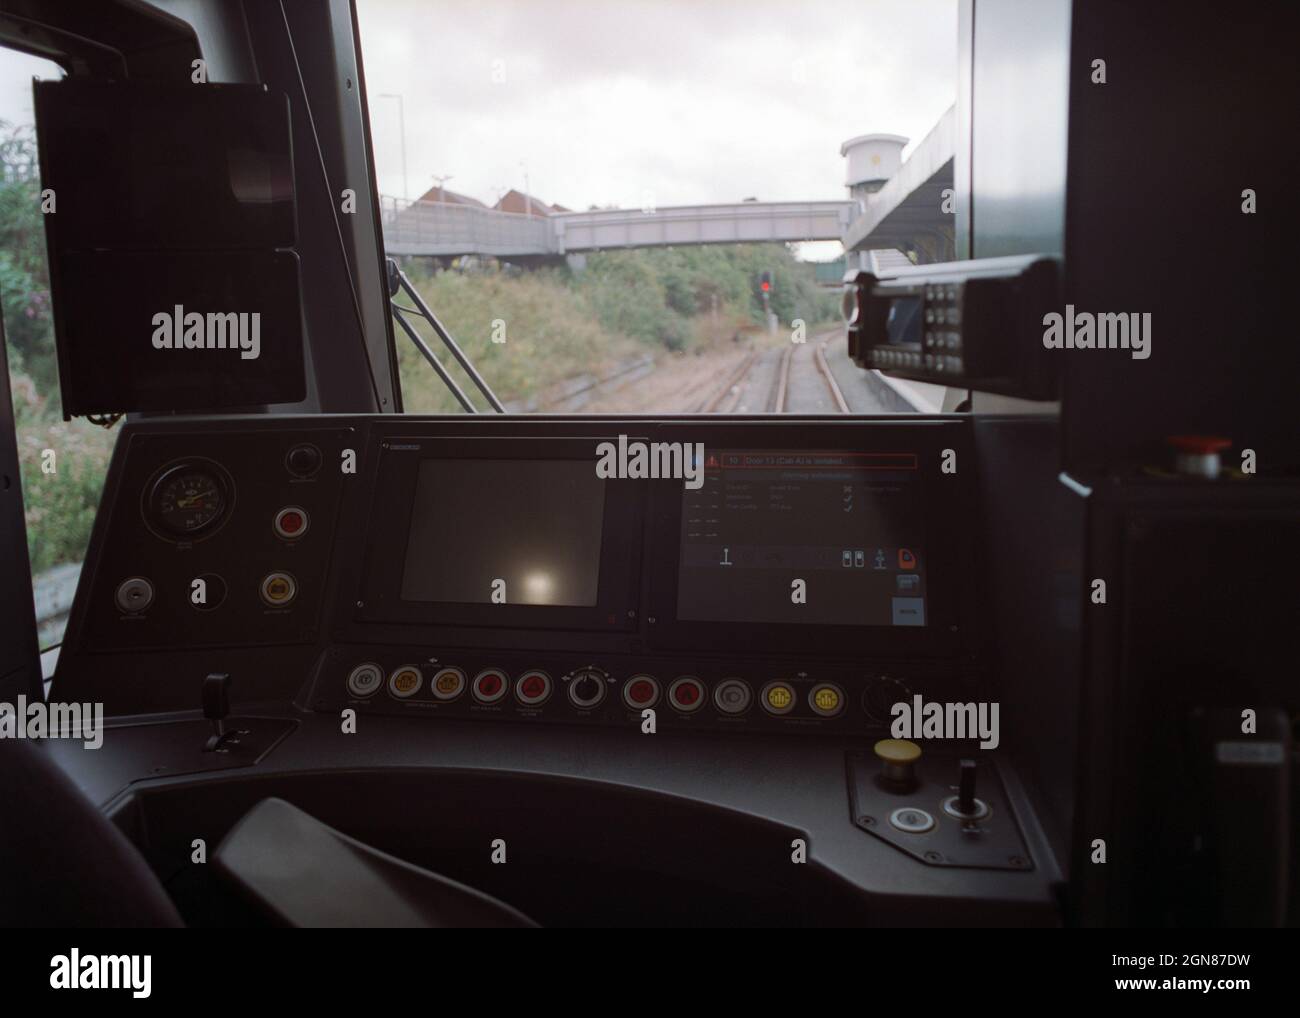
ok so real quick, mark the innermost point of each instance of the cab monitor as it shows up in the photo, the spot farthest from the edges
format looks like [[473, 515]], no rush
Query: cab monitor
[[848, 524]]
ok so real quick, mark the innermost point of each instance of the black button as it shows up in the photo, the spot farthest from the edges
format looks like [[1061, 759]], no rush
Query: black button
[[213, 591], [303, 460]]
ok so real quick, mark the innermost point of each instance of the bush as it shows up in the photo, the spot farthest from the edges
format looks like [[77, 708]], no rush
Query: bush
[[59, 506], [550, 334]]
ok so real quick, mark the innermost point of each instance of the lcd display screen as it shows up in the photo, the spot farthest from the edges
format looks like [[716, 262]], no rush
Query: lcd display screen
[[505, 531], [847, 525], [903, 326]]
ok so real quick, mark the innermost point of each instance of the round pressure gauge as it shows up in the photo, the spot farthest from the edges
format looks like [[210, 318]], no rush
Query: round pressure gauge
[[188, 500]]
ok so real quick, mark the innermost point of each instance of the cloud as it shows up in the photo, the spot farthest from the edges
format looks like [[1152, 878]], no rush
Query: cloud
[[604, 102]]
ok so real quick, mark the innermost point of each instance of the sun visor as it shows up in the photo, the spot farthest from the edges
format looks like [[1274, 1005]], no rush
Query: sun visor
[[170, 222]]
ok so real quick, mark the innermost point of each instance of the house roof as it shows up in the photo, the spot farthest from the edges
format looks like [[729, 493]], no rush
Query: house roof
[[443, 196], [518, 201]]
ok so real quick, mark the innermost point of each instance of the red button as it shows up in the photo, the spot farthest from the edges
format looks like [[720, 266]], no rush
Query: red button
[[641, 691], [687, 694], [1199, 445], [489, 685], [291, 522], [533, 686]]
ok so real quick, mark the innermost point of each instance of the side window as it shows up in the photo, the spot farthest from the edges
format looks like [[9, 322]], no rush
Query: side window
[[63, 462]]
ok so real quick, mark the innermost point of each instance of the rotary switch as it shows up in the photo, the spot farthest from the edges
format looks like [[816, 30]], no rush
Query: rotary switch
[[587, 688]]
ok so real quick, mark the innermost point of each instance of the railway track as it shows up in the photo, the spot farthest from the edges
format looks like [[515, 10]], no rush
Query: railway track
[[799, 379], [789, 379]]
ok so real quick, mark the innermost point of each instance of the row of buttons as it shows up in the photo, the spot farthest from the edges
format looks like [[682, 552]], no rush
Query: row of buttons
[[135, 594], [490, 686], [941, 291], [941, 363], [943, 340], [895, 358], [938, 316], [587, 689]]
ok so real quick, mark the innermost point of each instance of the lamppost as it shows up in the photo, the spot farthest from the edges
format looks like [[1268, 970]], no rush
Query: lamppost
[[401, 121]]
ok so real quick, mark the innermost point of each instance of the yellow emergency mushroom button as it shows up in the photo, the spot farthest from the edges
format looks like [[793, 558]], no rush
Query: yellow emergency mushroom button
[[898, 760]]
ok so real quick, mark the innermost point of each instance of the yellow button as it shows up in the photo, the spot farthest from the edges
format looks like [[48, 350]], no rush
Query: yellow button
[[898, 751], [826, 699], [778, 698], [405, 681], [279, 589], [448, 683]]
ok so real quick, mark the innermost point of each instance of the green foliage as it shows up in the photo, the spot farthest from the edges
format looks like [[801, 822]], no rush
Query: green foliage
[[649, 294], [24, 276], [561, 324], [549, 335], [60, 505], [630, 295]]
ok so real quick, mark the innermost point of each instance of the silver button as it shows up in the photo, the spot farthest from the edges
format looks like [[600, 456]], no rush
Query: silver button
[[911, 820], [134, 594]]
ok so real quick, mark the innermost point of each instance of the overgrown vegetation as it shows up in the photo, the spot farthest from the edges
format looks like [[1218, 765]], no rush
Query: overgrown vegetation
[[552, 324], [62, 463]]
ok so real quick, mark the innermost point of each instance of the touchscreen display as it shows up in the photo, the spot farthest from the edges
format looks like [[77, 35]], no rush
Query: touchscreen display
[[505, 531], [849, 525], [903, 326]]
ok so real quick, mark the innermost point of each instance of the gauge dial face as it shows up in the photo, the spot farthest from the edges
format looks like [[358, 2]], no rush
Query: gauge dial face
[[188, 500]]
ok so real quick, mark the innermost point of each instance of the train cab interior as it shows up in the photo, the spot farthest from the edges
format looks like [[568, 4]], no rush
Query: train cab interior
[[1021, 659]]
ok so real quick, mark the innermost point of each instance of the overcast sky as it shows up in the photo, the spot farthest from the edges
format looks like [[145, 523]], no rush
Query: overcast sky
[[634, 102], [678, 101], [16, 73]]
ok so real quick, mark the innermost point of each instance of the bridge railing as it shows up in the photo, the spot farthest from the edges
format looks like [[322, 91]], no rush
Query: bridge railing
[[743, 222], [443, 228]]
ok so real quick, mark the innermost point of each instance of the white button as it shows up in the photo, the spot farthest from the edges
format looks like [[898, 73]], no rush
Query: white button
[[911, 820], [732, 696], [365, 679]]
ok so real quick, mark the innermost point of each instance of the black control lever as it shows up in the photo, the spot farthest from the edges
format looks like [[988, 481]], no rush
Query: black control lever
[[966, 788], [965, 805], [216, 707]]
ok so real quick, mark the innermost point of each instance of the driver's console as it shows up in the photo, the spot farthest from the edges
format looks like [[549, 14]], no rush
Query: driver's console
[[643, 656]]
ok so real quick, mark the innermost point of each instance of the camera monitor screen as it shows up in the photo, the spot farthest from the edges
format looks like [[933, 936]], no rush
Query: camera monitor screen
[[847, 524], [507, 531]]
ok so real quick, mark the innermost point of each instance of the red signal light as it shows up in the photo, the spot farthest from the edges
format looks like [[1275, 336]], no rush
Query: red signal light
[[766, 286]]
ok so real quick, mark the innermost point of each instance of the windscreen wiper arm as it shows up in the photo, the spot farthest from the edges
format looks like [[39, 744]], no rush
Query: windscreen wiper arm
[[398, 281]]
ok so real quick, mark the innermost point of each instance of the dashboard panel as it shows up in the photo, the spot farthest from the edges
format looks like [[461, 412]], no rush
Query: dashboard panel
[[795, 575], [710, 593]]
